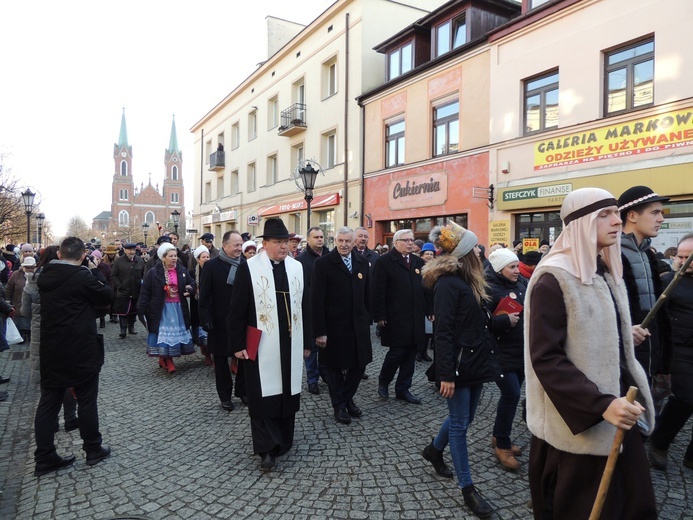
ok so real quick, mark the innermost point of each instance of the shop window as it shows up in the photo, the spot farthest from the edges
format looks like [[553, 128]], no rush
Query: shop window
[[400, 61], [544, 226], [541, 103], [629, 77], [446, 128], [326, 223], [394, 144]]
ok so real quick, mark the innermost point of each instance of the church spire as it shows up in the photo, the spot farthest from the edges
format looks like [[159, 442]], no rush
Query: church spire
[[173, 142], [123, 138]]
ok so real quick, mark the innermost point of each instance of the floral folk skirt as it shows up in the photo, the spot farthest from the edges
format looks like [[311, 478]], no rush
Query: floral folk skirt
[[173, 338]]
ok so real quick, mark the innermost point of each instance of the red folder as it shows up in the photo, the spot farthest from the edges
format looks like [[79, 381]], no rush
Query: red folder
[[252, 341], [507, 305]]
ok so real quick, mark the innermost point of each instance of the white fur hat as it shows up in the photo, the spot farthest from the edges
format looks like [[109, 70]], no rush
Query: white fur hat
[[501, 258], [199, 250], [164, 248]]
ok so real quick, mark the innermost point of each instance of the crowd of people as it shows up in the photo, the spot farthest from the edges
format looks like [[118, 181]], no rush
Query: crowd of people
[[566, 322]]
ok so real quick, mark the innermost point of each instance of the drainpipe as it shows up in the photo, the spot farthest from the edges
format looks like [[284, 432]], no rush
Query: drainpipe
[[202, 169], [346, 122]]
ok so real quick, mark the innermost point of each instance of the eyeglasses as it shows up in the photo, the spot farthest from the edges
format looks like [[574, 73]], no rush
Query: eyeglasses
[[407, 240]]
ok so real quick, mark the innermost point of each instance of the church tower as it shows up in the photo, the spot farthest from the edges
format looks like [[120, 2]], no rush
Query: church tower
[[123, 189], [173, 183]]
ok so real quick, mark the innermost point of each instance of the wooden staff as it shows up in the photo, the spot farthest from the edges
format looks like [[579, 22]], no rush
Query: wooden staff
[[610, 464], [660, 301]]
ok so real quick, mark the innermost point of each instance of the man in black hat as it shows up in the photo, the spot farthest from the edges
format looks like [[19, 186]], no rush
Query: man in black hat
[[127, 273], [270, 294], [642, 215]]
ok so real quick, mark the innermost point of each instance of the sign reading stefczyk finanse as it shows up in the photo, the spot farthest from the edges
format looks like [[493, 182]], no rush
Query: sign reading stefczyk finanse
[[667, 131]]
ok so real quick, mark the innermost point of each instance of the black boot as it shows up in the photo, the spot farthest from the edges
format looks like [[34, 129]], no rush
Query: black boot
[[435, 457], [123, 329], [473, 501], [102, 323]]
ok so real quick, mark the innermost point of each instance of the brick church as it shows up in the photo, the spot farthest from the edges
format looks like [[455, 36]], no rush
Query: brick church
[[132, 206]]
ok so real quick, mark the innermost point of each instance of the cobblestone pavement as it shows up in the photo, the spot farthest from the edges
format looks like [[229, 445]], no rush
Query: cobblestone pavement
[[178, 455]]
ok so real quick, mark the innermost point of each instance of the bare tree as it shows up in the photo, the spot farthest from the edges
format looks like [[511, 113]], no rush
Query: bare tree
[[12, 215], [76, 227]]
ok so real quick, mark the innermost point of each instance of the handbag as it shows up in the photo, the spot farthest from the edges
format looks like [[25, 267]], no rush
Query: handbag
[[12, 334]]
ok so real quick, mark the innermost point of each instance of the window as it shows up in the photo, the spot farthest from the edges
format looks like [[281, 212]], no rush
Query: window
[[629, 77], [326, 223], [273, 113], [123, 167], [446, 128], [401, 61], [208, 191], [123, 218], [208, 147], [220, 187], [541, 102], [149, 217], [174, 198], [296, 155], [394, 144], [252, 125], [298, 92], [234, 183], [235, 136], [123, 195], [174, 173], [251, 177], [329, 71], [271, 170], [533, 4], [450, 35], [330, 149]]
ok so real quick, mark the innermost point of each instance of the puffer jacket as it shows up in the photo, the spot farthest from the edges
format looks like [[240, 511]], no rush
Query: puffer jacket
[[31, 307]]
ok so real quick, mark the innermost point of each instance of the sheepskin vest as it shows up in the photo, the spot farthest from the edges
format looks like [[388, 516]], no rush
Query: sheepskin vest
[[592, 345]]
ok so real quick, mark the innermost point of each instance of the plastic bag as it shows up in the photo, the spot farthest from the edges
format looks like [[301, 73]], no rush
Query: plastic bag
[[12, 334]]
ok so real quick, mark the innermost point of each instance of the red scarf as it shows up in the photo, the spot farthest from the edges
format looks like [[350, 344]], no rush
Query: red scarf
[[526, 270]]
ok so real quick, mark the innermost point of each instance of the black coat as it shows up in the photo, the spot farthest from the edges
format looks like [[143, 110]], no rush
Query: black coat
[[214, 304], [370, 256], [680, 310], [153, 296], [399, 299], [127, 277], [70, 352], [510, 340], [341, 310]]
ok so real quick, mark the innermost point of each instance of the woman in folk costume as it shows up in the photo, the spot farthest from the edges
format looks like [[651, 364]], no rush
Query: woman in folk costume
[[199, 335], [270, 294], [579, 359], [163, 303]]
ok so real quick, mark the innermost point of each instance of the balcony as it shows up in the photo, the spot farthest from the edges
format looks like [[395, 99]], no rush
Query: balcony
[[217, 161], [293, 120]]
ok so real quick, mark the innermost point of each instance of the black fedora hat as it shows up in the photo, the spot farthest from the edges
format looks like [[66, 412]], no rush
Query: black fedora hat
[[637, 196], [275, 228]]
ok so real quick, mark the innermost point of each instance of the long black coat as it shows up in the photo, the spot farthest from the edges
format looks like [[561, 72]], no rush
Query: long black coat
[[214, 304], [153, 296], [510, 340], [127, 278], [398, 298], [69, 351], [341, 310], [680, 310]]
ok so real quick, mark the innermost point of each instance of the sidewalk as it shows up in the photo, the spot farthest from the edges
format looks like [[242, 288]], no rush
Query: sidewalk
[[178, 455]]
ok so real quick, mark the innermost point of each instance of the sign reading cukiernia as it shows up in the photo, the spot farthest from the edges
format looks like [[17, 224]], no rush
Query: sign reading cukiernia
[[667, 131]]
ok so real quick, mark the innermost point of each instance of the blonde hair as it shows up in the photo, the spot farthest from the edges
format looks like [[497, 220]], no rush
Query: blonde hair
[[472, 271]]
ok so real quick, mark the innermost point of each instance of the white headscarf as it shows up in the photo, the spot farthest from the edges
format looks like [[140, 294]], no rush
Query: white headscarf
[[575, 249]]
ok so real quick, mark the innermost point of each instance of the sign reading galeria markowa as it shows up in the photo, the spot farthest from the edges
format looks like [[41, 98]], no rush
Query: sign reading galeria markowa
[[667, 131]]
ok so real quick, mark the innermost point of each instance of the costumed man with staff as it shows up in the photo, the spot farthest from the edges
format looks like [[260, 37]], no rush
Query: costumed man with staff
[[270, 294], [579, 358]]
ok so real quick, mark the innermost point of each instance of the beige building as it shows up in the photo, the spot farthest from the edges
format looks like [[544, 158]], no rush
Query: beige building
[[298, 106], [590, 93]]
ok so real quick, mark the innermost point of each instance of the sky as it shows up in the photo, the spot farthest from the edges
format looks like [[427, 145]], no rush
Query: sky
[[69, 68]]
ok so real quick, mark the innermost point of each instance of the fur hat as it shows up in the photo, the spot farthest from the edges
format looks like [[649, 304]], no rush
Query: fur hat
[[248, 244], [164, 248], [501, 258], [199, 250], [453, 239], [531, 258], [111, 249]]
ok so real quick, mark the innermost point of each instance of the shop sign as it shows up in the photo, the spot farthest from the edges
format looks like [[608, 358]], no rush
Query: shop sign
[[530, 244], [430, 189], [667, 131], [537, 192], [299, 205], [499, 232]]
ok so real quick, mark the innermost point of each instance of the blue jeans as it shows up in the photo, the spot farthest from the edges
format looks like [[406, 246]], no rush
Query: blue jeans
[[462, 407], [312, 369], [509, 385]]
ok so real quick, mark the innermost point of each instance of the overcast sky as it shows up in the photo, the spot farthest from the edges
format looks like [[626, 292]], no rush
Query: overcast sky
[[68, 69]]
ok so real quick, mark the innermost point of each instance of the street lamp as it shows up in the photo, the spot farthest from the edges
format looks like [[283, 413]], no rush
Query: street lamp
[[308, 175], [175, 215], [40, 219], [28, 199], [145, 231]]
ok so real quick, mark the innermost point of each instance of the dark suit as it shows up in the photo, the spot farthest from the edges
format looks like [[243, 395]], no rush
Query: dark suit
[[341, 311], [213, 306], [398, 299]]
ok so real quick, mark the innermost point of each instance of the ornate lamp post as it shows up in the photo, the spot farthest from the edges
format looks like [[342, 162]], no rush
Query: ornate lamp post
[[40, 219], [175, 215], [28, 199], [145, 231], [308, 176]]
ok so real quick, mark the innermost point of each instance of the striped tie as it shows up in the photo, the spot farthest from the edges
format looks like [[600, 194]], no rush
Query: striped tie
[[347, 261]]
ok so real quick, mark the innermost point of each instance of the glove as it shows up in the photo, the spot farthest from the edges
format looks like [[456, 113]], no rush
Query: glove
[[207, 327]]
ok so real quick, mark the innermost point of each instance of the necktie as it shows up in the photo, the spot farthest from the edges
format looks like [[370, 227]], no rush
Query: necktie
[[406, 259], [347, 262]]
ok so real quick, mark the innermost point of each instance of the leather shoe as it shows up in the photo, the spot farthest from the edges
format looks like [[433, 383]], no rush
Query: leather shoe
[[425, 357], [244, 400], [364, 376], [473, 501], [658, 458], [313, 388], [94, 457], [71, 424], [4, 380], [517, 451], [122, 335], [227, 405], [382, 392], [268, 461], [408, 397], [507, 459], [353, 410], [435, 457], [46, 467], [342, 416]]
